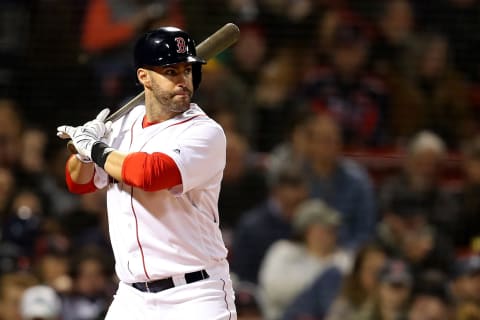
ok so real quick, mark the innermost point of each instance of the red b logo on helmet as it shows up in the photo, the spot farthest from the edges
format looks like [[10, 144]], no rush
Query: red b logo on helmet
[[181, 45]]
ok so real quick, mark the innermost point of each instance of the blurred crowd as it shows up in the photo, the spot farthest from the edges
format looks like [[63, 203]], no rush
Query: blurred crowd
[[352, 185]]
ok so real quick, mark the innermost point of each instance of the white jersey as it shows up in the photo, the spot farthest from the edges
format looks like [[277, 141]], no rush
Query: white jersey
[[161, 234]]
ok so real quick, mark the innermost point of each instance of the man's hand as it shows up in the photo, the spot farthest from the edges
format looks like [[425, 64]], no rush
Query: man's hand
[[83, 137]]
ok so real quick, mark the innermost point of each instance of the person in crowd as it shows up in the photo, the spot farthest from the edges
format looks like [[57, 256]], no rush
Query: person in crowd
[[52, 268], [290, 266], [465, 284], [40, 302], [428, 93], [395, 22], [241, 177], [7, 189], [249, 53], [11, 124], [274, 97], [342, 183], [12, 287], [417, 187], [467, 231], [457, 20], [392, 295], [267, 222], [357, 99], [405, 232], [316, 300], [357, 291], [227, 98], [24, 222], [92, 273], [429, 305], [293, 149]]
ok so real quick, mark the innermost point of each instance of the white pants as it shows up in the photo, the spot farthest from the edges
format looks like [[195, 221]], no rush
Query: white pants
[[210, 299]]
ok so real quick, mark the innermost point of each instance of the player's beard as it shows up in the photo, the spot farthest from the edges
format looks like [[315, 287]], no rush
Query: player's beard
[[168, 101]]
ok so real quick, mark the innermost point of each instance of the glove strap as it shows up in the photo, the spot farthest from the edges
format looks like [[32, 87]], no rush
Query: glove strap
[[100, 152]]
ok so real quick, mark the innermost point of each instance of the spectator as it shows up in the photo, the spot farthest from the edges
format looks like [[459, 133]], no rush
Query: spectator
[[357, 292], [468, 311], [7, 189], [293, 149], [357, 99], [467, 231], [40, 302], [435, 93], [90, 297], [240, 177], [249, 53], [225, 94], [52, 269], [392, 294], [289, 267], [11, 124], [458, 21], [341, 183], [32, 154], [395, 23], [23, 223], [428, 306], [316, 300], [465, 285], [266, 223], [12, 287], [418, 187], [274, 97]]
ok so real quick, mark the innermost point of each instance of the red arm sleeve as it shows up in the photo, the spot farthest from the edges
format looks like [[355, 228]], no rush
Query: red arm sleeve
[[150, 172], [99, 31], [76, 187]]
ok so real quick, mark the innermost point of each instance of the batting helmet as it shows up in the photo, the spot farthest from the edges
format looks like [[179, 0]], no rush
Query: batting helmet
[[165, 46]]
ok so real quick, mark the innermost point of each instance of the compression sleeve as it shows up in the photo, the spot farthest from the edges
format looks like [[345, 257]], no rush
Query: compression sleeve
[[77, 187], [150, 172]]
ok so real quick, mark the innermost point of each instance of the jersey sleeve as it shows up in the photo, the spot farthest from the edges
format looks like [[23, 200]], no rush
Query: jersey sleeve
[[77, 187], [200, 155]]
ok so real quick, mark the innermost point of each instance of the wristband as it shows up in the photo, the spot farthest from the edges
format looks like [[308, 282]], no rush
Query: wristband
[[100, 152]]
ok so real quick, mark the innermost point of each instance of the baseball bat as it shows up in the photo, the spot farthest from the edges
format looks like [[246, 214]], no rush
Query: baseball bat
[[207, 49]]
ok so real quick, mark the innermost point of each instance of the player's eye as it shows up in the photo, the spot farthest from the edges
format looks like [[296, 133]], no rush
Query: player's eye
[[188, 70], [170, 72]]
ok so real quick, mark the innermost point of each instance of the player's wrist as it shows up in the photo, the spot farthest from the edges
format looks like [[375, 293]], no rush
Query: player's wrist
[[83, 159], [100, 152]]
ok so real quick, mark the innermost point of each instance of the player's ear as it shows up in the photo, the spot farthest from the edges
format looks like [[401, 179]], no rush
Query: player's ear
[[144, 77]]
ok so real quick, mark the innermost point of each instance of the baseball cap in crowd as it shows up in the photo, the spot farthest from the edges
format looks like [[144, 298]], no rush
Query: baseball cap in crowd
[[396, 272], [314, 211], [40, 302], [467, 266]]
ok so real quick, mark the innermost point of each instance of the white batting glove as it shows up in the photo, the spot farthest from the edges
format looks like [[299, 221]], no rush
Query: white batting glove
[[83, 137], [99, 126]]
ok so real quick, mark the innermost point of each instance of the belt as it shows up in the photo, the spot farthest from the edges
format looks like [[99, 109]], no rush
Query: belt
[[168, 283]]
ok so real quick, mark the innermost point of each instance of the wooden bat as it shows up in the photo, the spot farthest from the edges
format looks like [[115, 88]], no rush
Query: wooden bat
[[207, 49]]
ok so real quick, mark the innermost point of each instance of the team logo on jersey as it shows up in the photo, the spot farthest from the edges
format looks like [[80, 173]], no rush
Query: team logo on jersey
[[181, 45]]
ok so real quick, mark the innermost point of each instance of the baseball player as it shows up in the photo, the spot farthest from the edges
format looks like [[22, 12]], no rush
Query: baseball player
[[162, 164]]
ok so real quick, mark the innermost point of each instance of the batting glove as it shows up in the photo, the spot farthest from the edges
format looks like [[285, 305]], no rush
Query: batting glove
[[83, 137]]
